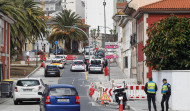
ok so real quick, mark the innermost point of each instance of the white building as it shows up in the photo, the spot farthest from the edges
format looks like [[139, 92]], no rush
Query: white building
[[77, 6]]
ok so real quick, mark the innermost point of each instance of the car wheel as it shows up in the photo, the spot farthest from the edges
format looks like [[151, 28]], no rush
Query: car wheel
[[89, 72], [15, 102]]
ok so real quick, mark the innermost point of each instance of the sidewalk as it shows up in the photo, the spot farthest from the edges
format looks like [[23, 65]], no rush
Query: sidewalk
[[142, 105]]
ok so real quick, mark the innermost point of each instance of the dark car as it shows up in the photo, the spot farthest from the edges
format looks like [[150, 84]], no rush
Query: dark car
[[52, 70], [59, 51], [59, 98]]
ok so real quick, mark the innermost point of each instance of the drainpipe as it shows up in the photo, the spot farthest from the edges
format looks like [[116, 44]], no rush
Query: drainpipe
[[9, 50], [5, 50], [136, 51]]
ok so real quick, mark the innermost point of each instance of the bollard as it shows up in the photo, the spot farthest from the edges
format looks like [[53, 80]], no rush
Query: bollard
[[106, 73]]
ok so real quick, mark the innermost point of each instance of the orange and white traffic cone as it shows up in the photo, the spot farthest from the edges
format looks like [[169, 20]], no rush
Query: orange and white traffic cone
[[121, 105]]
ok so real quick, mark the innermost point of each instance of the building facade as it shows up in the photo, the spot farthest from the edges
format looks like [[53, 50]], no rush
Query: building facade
[[5, 22]]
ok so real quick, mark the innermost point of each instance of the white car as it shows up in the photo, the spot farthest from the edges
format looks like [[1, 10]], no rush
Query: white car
[[96, 65], [61, 57], [92, 55], [58, 62], [78, 65], [27, 89]]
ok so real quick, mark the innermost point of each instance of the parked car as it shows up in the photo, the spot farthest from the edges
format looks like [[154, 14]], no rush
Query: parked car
[[60, 98], [61, 57], [96, 65], [27, 89], [59, 51], [39, 52], [78, 65], [58, 62], [52, 70]]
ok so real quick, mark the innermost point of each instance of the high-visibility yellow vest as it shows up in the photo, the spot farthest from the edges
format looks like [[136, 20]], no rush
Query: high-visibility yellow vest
[[164, 88], [151, 87]]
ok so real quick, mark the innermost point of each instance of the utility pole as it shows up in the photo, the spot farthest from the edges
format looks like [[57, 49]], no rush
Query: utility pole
[[104, 3]]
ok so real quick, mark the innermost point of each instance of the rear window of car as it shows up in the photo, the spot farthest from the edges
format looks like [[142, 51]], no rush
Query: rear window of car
[[78, 63], [96, 62], [58, 57], [28, 83], [63, 92], [51, 67]]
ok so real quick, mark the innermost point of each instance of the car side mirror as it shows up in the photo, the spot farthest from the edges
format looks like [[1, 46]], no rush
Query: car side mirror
[[40, 93]]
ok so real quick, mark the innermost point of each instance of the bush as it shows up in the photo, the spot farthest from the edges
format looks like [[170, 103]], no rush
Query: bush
[[168, 46]]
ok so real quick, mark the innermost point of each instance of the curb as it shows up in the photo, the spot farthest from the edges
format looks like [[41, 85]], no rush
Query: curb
[[33, 72]]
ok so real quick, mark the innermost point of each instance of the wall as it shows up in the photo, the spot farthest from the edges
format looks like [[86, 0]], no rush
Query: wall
[[179, 81]]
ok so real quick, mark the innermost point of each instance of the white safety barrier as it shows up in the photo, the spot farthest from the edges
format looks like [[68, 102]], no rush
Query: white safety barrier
[[136, 92]]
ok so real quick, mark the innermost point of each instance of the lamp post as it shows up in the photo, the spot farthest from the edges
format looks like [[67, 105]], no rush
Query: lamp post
[[104, 3], [95, 34]]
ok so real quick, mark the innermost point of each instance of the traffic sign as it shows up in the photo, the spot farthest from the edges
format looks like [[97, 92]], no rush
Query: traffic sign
[[105, 97], [56, 42]]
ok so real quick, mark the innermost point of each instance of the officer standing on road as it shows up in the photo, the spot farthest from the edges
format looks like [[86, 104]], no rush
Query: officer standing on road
[[150, 89], [166, 91]]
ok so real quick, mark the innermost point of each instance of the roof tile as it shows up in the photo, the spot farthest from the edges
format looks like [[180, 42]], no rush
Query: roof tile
[[169, 4]]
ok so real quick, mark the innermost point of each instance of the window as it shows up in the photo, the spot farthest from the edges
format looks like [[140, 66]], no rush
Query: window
[[1, 35], [28, 83], [126, 62], [63, 92], [51, 8]]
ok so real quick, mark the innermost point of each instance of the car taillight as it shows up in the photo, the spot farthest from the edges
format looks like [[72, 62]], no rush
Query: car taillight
[[77, 100], [73, 64], [40, 87], [63, 59], [60, 63], [48, 100], [82, 64], [16, 90]]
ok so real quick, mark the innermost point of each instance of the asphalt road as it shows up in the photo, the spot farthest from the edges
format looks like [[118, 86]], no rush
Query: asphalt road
[[77, 79]]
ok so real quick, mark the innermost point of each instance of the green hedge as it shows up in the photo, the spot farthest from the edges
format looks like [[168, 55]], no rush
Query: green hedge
[[168, 46]]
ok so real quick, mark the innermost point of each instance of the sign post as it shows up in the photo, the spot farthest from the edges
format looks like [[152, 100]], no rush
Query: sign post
[[111, 52], [56, 43]]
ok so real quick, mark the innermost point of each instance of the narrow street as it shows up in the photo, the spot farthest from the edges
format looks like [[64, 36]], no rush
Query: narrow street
[[76, 79]]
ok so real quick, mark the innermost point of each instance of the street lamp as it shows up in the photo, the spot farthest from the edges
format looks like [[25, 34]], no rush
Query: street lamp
[[104, 3]]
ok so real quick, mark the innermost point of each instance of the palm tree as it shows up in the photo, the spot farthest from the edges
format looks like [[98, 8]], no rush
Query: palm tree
[[30, 21], [67, 18]]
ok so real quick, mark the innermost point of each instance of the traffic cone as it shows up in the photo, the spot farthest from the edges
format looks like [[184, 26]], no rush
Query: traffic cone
[[121, 105]]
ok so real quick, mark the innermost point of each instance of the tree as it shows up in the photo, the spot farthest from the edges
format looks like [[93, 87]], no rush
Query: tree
[[168, 45], [67, 18], [30, 21]]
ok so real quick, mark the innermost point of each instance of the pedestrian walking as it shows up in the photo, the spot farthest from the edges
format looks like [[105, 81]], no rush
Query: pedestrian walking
[[166, 92], [150, 89], [105, 62]]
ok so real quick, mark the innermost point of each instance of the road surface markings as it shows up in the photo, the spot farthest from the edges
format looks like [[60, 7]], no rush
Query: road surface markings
[[61, 75], [85, 74]]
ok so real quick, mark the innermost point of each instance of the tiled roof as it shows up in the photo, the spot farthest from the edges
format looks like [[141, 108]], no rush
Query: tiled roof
[[121, 5], [168, 5]]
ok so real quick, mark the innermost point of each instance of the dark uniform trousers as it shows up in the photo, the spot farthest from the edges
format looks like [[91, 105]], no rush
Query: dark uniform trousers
[[165, 98], [153, 98]]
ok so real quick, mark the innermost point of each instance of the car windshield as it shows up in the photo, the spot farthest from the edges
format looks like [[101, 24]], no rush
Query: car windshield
[[28, 83], [78, 62], [63, 92], [56, 61], [96, 62]]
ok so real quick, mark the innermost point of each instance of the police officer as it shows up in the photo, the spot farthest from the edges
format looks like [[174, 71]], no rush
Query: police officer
[[166, 91], [150, 89]]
